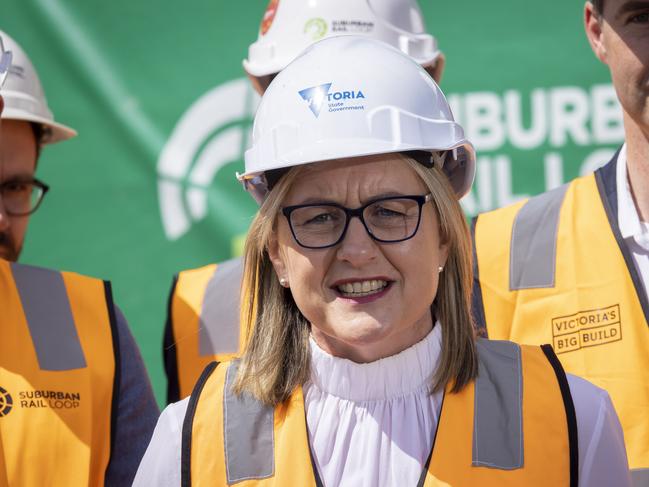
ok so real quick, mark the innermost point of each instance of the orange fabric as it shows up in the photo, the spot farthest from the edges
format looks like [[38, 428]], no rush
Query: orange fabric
[[292, 460], [592, 315], [545, 434], [187, 303], [186, 306], [63, 439]]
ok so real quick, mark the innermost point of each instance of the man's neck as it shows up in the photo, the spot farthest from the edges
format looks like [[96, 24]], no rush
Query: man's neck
[[637, 150]]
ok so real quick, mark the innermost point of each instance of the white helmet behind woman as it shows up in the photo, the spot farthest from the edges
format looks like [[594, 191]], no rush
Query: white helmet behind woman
[[24, 97], [319, 108], [290, 26]]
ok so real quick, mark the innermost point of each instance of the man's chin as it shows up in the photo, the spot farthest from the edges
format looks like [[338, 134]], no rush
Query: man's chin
[[8, 253]]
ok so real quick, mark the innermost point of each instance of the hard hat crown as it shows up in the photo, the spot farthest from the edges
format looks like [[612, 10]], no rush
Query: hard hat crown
[[351, 96], [290, 26], [24, 96]]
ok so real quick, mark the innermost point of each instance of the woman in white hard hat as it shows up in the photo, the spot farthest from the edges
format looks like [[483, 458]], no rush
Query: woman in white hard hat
[[287, 28], [362, 367]]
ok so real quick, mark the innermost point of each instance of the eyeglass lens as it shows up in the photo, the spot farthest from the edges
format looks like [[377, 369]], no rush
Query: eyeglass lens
[[21, 197], [389, 220]]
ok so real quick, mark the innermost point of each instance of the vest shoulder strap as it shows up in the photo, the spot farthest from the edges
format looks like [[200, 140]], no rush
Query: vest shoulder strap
[[571, 415], [170, 351], [509, 425], [499, 400], [46, 306], [248, 430], [219, 331], [532, 257], [188, 424], [230, 438], [525, 260], [202, 322], [214, 292]]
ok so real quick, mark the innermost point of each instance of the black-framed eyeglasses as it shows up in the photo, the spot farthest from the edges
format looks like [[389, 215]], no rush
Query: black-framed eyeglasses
[[22, 197], [389, 220]]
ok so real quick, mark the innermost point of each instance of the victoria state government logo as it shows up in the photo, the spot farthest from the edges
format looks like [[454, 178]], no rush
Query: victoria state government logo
[[6, 402], [337, 101]]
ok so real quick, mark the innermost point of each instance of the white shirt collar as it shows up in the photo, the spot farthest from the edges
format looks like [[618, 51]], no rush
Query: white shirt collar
[[407, 372], [627, 214]]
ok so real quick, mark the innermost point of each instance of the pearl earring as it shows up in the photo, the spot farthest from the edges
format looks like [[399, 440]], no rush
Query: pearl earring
[[283, 281], [440, 269]]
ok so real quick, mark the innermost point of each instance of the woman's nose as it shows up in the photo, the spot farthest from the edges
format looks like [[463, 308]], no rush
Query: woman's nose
[[357, 247]]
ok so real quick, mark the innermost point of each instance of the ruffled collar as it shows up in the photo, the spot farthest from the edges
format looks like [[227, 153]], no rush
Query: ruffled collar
[[405, 373]]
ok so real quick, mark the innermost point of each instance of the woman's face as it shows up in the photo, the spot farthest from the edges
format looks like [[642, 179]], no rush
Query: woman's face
[[397, 281]]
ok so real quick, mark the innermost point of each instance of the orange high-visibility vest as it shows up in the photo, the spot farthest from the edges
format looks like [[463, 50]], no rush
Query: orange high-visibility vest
[[519, 430], [202, 323], [57, 377], [566, 277]]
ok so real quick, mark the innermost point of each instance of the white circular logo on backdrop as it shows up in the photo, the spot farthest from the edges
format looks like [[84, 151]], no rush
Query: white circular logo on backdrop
[[213, 132]]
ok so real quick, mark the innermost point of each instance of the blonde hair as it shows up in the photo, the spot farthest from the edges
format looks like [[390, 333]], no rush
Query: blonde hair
[[277, 357]]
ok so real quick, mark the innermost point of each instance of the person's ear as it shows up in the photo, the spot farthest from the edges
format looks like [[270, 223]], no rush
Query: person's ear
[[260, 83], [443, 254], [277, 259], [593, 23], [437, 70]]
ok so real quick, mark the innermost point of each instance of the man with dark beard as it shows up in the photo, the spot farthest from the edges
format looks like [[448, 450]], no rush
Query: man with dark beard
[[28, 125], [76, 405]]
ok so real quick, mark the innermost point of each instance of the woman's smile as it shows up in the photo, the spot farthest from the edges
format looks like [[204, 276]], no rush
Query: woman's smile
[[363, 290]]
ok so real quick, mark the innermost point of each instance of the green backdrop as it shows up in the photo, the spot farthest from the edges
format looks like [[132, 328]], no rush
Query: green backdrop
[[156, 90]]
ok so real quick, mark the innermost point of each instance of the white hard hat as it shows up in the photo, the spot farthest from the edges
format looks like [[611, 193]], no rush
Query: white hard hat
[[24, 97], [290, 26], [352, 96]]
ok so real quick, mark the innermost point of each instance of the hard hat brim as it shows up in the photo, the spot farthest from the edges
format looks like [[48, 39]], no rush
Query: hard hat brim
[[259, 69], [59, 132], [461, 185]]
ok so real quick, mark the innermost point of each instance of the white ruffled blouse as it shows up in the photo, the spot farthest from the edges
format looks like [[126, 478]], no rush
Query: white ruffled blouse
[[373, 424]]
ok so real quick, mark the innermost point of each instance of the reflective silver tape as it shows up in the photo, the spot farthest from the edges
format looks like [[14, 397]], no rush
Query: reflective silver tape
[[49, 317], [498, 415], [640, 477], [219, 320], [248, 428], [532, 258]]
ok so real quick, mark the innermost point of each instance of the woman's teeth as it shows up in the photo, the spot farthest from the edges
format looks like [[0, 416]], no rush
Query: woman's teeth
[[362, 288]]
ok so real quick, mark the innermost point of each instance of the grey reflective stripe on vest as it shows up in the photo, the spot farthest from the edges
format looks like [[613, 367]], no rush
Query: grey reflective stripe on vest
[[532, 258], [640, 477], [219, 320], [248, 430], [498, 415], [49, 317]]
